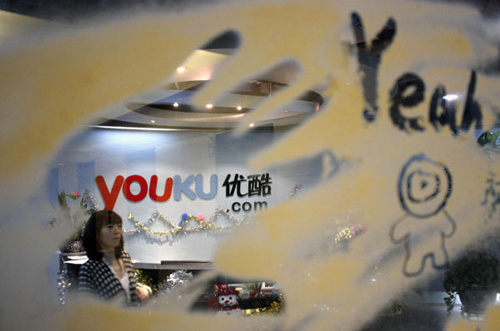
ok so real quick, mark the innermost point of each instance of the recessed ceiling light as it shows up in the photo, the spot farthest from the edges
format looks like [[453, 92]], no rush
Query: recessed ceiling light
[[209, 106], [176, 104], [181, 69], [239, 108], [152, 121], [252, 125]]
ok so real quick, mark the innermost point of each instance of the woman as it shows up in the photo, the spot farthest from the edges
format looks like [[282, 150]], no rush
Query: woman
[[109, 273]]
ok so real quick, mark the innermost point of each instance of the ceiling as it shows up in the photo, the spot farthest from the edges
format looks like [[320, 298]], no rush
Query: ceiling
[[169, 107], [72, 10]]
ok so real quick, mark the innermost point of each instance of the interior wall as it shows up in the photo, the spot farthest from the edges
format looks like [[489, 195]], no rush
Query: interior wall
[[112, 153]]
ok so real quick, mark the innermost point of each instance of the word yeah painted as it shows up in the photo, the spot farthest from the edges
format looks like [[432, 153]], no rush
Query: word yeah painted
[[441, 111], [175, 185]]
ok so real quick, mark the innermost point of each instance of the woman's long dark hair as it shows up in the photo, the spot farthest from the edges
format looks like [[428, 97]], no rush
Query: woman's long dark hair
[[95, 223]]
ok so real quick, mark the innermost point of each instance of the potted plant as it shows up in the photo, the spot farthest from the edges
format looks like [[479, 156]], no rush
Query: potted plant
[[75, 214], [475, 278]]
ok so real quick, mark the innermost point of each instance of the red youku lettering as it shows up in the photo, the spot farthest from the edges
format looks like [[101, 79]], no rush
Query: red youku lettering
[[110, 196]]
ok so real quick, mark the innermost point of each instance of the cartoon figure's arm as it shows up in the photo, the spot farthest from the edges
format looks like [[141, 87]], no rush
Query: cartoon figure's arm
[[449, 226], [400, 231]]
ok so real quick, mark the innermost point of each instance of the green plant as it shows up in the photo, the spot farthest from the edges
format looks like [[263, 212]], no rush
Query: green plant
[[477, 269], [488, 138]]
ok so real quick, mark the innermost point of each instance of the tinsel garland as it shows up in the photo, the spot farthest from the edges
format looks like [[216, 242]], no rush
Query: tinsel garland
[[63, 283], [348, 233], [294, 191], [185, 226], [275, 308]]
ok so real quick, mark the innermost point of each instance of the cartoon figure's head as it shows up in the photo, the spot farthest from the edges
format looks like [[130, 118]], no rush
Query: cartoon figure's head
[[227, 296], [424, 186]]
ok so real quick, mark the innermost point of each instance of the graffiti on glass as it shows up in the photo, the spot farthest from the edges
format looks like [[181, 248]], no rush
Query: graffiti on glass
[[424, 188]]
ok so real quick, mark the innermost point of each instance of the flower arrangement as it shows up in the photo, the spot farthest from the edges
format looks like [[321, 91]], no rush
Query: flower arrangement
[[74, 209]]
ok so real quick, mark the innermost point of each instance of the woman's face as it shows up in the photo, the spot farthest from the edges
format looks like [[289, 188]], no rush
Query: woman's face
[[110, 235]]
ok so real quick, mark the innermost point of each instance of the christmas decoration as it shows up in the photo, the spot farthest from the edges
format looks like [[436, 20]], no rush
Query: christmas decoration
[[144, 279], [227, 301], [348, 233], [63, 283], [189, 224], [175, 280], [338, 238], [294, 191], [275, 308]]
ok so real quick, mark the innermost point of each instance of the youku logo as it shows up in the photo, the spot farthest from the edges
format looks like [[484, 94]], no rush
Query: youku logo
[[191, 187]]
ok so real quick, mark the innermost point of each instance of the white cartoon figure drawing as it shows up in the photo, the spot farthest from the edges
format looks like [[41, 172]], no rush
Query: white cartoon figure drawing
[[424, 188]]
